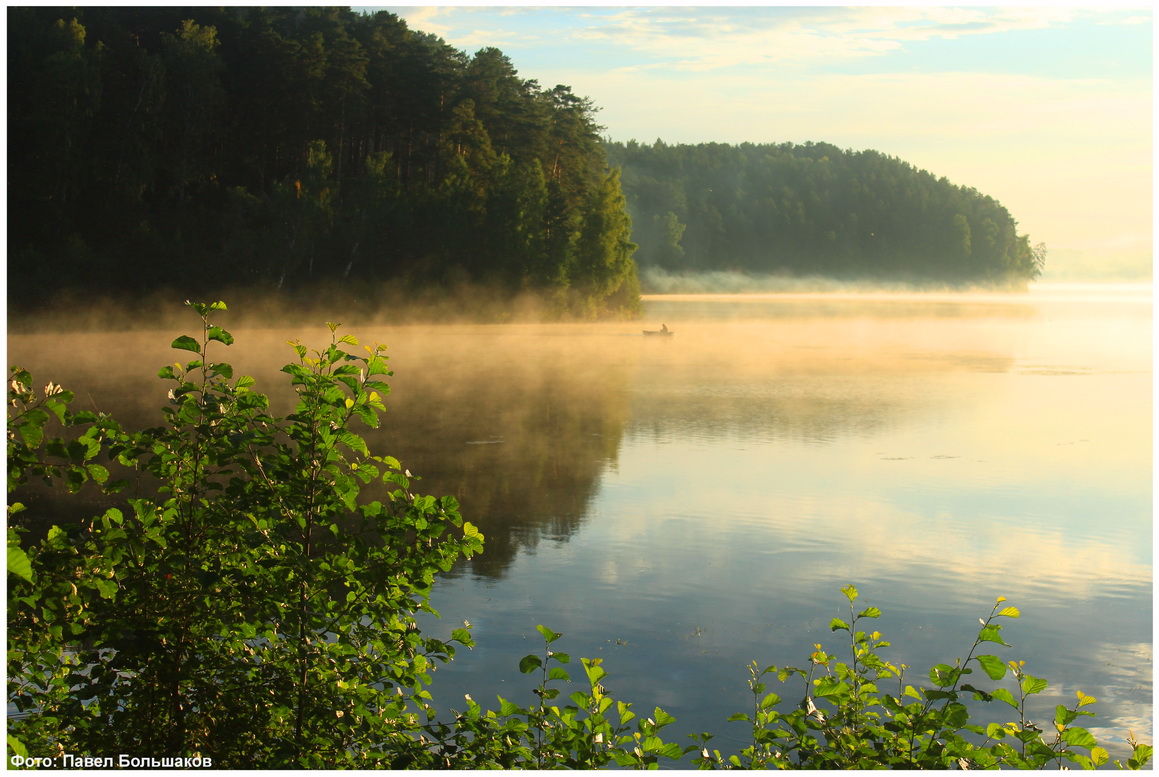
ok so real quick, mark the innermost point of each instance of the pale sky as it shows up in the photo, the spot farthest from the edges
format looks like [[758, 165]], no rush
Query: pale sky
[[1046, 108]]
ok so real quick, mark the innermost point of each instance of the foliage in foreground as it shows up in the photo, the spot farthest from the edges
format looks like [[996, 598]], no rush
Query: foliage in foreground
[[252, 610]]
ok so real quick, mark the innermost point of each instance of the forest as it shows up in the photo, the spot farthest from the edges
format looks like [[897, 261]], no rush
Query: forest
[[814, 209], [284, 148], [201, 150]]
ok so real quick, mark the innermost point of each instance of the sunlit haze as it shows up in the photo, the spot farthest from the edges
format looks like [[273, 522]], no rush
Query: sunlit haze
[[1047, 109]]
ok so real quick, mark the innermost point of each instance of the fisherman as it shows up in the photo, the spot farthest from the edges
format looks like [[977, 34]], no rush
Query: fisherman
[[663, 327]]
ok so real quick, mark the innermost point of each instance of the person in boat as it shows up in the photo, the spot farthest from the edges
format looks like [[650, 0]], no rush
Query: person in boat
[[664, 328]]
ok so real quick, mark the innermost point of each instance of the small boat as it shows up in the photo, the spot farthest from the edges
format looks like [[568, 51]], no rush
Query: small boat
[[667, 332]]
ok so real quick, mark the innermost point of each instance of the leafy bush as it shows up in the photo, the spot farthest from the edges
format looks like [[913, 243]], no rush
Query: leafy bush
[[252, 610], [844, 720]]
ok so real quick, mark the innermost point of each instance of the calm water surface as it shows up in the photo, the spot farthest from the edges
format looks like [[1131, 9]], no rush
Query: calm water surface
[[681, 506]]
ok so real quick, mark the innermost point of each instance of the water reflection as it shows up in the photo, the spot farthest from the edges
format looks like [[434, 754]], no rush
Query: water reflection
[[517, 422]]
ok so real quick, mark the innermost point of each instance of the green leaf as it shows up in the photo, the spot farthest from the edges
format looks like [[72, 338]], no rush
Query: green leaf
[[1063, 716], [956, 715], [1010, 612], [1006, 696], [223, 369], [547, 633], [367, 415], [186, 343], [1032, 685], [869, 612], [850, 592], [507, 708], [990, 634], [1079, 737], [1084, 700], [529, 664], [594, 671], [943, 675], [220, 335], [837, 624], [1141, 755], [993, 666], [32, 430], [558, 673], [828, 687], [107, 588], [353, 442], [16, 746], [18, 563]]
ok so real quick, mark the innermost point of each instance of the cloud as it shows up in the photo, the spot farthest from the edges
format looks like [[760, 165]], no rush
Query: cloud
[[714, 38], [711, 38], [424, 20]]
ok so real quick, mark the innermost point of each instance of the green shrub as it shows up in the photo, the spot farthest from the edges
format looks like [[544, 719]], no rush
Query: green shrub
[[846, 721], [842, 721], [251, 610]]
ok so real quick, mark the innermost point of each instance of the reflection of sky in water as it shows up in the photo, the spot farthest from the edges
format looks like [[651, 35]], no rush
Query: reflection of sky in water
[[935, 461]]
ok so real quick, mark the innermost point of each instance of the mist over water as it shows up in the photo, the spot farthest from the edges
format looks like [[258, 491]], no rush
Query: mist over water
[[683, 505], [658, 281]]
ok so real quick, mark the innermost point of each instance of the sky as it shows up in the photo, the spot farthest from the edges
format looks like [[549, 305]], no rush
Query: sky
[[1045, 108]]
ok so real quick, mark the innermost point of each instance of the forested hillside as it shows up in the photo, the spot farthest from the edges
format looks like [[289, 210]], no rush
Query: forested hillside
[[283, 148], [814, 209], [201, 149]]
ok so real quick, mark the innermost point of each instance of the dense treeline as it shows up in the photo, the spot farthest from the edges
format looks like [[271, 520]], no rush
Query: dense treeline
[[192, 149], [287, 147], [814, 209]]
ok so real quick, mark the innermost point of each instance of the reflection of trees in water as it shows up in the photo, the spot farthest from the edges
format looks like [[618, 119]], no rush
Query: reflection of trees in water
[[520, 438], [517, 427]]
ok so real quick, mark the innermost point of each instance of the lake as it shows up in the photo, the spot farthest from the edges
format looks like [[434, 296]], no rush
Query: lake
[[680, 506]]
